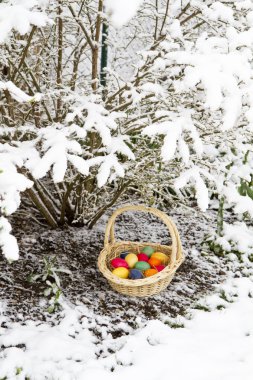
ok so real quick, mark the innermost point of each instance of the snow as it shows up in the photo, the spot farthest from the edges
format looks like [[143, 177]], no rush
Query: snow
[[79, 163], [59, 145], [175, 30], [16, 93], [118, 145], [210, 345], [173, 129], [56, 146], [109, 162], [121, 11], [12, 183], [241, 204], [219, 71], [238, 237], [20, 15], [8, 242], [219, 11], [193, 175]]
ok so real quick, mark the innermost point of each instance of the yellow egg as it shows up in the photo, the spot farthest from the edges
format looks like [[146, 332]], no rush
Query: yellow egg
[[121, 272], [131, 259], [160, 256]]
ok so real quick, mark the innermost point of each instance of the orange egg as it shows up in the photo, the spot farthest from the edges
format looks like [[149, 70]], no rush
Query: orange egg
[[153, 262], [150, 272]]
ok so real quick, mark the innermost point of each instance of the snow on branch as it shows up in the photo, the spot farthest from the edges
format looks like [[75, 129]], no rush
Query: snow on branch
[[17, 94], [193, 175], [8, 242], [236, 237], [20, 15], [218, 72], [109, 163], [121, 11], [56, 146], [241, 203], [11, 184], [173, 129], [216, 11]]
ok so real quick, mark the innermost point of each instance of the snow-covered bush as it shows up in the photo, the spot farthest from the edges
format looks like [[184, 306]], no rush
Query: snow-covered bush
[[96, 102], [237, 239]]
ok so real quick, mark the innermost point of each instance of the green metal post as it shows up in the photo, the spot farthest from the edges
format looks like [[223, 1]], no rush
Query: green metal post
[[104, 54]]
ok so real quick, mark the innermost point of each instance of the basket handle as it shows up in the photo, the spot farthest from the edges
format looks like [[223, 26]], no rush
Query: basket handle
[[176, 243]]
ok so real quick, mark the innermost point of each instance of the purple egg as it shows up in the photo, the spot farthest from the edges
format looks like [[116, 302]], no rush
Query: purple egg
[[135, 274]]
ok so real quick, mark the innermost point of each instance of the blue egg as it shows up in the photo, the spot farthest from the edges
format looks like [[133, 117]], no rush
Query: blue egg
[[135, 274], [123, 255]]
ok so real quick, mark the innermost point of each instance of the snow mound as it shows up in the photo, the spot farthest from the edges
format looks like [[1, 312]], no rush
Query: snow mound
[[215, 345]]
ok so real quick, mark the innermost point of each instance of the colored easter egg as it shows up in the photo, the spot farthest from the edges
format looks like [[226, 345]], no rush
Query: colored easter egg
[[123, 255], [154, 262], [160, 256], [135, 274], [160, 267], [142, 257], [117, 262], [148, 250], [142, 265], [121, 272], [131, 259], [150, 272]]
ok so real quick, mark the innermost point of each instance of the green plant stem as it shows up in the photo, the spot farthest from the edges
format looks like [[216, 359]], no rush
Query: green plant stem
[[220, 217]]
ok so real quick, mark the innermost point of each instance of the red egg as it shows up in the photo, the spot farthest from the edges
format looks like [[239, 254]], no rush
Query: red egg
[[160, 267], [118, 262], [142, 257]]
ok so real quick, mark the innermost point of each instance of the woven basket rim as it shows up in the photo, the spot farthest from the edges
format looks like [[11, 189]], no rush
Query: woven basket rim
[[177, 256]]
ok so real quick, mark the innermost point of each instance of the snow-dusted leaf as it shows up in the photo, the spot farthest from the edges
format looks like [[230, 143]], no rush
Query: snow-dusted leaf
[[170, 142], [57, 144], [237, 236], [183, 150], [79, 163], [8, 242], [118, 145], [95, 118], [173, 139], [241, 203], [59, 169], [193, 175], [11, 182], [109, 163], [220, 72]]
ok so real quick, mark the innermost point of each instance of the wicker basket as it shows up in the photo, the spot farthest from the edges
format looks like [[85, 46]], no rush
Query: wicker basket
[[150, 285]]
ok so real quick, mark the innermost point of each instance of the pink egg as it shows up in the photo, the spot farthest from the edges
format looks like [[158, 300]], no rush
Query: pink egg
[[160, 267], [118, 262], [142, 257]]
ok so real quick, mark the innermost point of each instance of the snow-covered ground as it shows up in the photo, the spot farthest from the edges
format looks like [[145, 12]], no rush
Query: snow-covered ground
[[195, 329], [206, 345], [77, 250]]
